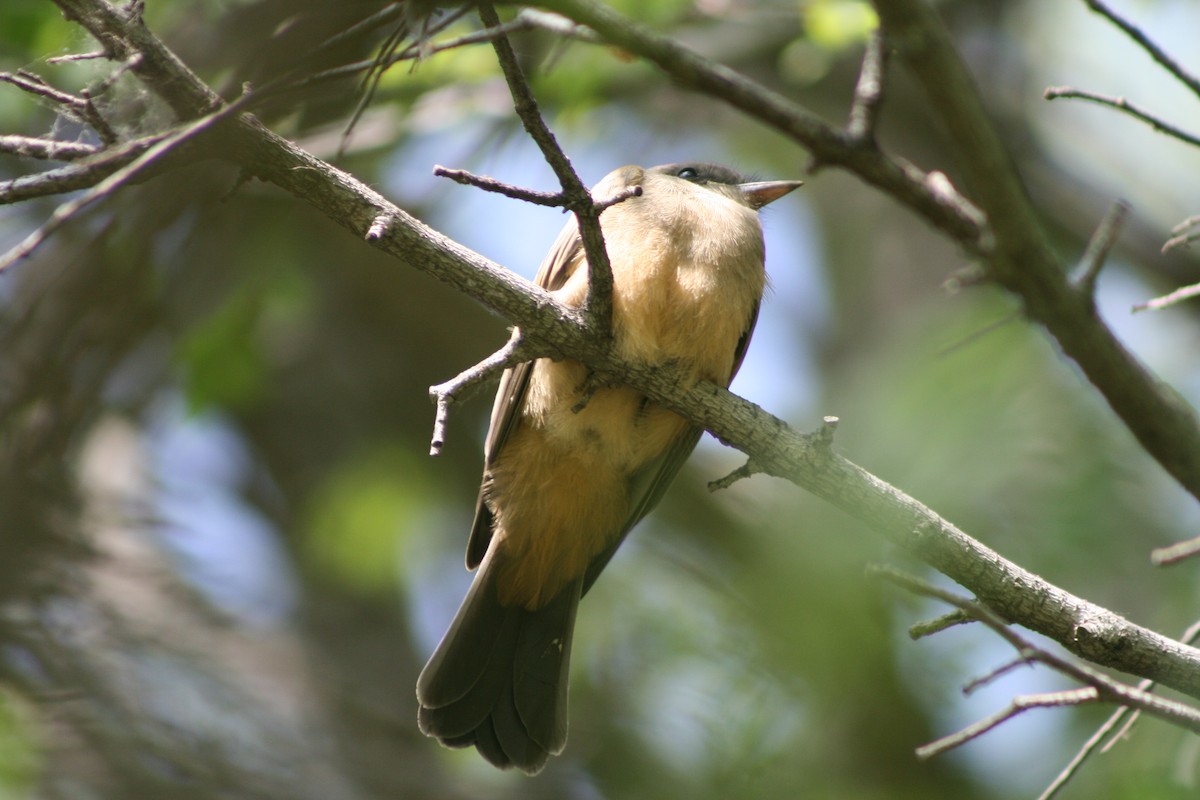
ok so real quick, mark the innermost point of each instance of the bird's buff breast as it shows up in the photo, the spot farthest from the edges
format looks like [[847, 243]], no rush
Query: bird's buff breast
[[559, 490]]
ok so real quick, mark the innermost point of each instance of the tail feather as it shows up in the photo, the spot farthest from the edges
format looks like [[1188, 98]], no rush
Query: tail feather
[[498, 680]]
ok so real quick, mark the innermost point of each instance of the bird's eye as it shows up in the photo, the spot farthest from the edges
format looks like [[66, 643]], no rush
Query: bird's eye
[[688, 174]]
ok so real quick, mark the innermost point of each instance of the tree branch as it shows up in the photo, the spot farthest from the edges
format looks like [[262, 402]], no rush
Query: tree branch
[[598, 306], [1025, 264], [1102, 733], [869, 91], [1097, 685], [47, 149], [945, 210], [116, 180], [1124, 106], [1143, 41], [82, 175]]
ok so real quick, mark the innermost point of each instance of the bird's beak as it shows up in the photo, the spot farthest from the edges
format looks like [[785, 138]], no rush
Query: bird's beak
[[759, 193]]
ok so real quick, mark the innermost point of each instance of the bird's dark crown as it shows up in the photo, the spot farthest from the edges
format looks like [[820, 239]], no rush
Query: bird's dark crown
[[701, 172]]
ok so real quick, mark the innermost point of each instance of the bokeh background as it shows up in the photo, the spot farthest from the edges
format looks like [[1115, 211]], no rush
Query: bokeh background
[[225, 554]]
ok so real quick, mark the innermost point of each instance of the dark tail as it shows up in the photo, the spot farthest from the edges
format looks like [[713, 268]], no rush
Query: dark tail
[[498, 680]]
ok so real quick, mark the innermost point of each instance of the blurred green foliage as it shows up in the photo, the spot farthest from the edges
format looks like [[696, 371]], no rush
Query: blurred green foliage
[[19, 757]]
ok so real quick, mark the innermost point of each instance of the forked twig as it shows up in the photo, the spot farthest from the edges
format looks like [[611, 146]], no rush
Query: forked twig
[[598, 308], [466, 382], [65, 212], [1098, 687], [1101, 740]]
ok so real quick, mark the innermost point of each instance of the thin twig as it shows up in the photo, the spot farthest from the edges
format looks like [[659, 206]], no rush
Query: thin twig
[[598, 307], [1022, 659], [1184, 235], [76, 176], [385, 58], [1098, 247], [500, 187], [746, 470], [1173, 554], [929, 627], [1099, 738], [1019, 704], [1182, 240], [412, 52], [1123, 105], [79, 106], [869, 91], [65, 212], [47, 149], [979, 333], [1089, 747], [1170, 299], [1186, 224], [92, 56], [466, 382], [1156, 52], [33, 84], [1095, 682]]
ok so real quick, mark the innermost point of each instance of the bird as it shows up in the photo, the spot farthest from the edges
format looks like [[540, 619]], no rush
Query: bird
[[569, 468]]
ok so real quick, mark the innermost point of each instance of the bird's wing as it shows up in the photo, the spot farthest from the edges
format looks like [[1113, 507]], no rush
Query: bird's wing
[[565, 256], [649, 484]]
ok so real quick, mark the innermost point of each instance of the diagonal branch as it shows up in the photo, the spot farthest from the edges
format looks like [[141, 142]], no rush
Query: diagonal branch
[[1097, 685], [73, 177], [598, 307], [116, 180], [1157, 53], [1102, 733], [911, 186], [1026, 264], [1023, 262]]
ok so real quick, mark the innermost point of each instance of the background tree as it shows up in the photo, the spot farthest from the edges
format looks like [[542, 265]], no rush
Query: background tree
[[225, 555]]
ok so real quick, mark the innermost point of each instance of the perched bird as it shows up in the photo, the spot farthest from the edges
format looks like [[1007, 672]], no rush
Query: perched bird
[[563, 485]]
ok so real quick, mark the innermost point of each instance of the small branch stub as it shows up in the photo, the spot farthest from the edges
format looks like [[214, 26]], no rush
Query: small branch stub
[[823, 438], [619, 197], [379, 227], [868, 93], [929, 627], [1099, 246], [744, 471]]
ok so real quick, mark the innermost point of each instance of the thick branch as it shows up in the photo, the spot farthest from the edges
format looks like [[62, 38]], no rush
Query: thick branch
[[1098, 685], [948, 212], [1026, 264]]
